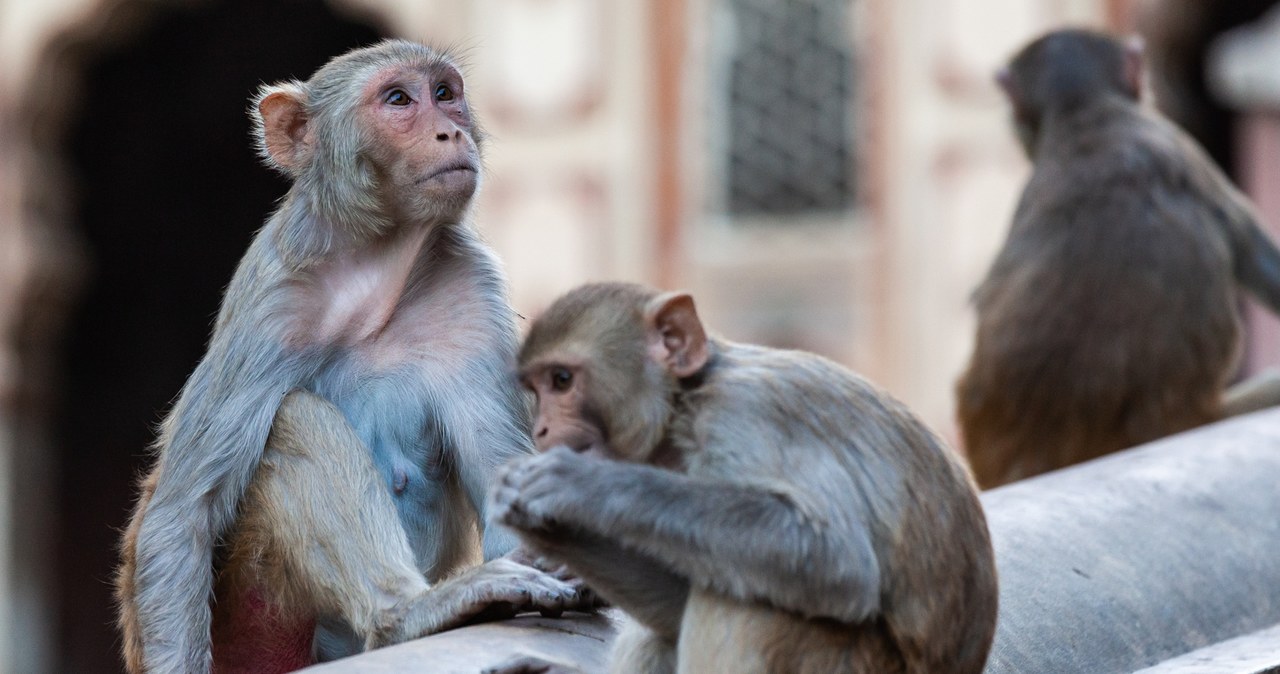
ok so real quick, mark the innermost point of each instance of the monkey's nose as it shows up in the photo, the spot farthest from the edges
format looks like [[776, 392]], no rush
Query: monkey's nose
[[443, 136]]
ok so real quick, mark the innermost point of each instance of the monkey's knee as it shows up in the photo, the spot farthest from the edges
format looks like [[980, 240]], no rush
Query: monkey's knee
[[317, 529], [305, 423]]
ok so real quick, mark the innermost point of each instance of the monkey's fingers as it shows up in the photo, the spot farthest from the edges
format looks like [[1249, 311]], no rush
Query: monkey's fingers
[[514, 513], [525, 587], [585, 601], [505, 506]]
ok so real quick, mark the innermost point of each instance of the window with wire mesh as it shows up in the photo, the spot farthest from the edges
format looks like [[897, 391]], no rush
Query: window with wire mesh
[[790, 99]]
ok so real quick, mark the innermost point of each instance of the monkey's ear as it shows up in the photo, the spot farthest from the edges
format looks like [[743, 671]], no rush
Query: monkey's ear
[[281, 127], [675, 335], [1134, 46]]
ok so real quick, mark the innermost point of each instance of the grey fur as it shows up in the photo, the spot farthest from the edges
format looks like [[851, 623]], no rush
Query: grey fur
[[788, 516], [457, 403]]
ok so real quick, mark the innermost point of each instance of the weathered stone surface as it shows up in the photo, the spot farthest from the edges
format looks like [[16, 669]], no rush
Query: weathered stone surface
[[1257, 653], [1111, 566], [1135, 558], [578, 639]]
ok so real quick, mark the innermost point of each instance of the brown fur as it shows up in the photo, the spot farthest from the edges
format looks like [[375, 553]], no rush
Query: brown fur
[[1108, 319], [753, 510], [126, 586]]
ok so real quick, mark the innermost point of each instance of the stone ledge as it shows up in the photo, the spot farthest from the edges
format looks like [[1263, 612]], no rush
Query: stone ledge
[[575, 638], [1257, 653], [1115, 565], [1138, 557]]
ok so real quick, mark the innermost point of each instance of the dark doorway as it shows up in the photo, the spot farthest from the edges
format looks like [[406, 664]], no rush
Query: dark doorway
[[168, 191], [1180, 36]]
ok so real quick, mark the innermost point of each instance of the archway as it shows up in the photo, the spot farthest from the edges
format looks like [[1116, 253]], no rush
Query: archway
[[167, 191]]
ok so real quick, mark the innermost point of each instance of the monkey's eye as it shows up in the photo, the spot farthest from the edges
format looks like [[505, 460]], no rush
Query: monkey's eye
[[444, 92], [398, 97], [561, 379]]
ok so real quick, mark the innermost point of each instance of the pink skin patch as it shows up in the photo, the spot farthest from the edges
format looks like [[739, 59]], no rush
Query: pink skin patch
[[253, 637]]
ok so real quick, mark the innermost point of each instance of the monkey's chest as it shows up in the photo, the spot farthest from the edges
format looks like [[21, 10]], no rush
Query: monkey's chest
[[394, 414]]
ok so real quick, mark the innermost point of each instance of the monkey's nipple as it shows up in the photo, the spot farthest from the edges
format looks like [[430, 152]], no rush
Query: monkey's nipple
[[399, 480]]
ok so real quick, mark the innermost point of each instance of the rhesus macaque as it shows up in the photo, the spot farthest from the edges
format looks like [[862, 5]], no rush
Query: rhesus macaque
[[328, 460], [1109, 317], [752, 510]]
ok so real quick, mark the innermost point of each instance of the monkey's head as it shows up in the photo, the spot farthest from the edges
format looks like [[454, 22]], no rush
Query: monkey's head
[[378, 135], [1065, 70], [605, 362]]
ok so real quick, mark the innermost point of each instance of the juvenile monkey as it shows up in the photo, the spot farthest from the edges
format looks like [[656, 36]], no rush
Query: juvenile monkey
[[752, 510], [1108, 318], [328, 459]]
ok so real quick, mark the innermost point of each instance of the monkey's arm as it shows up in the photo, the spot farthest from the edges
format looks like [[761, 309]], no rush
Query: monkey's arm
[[747, 542], [1254, 255], [1257, 262], [209, 448]]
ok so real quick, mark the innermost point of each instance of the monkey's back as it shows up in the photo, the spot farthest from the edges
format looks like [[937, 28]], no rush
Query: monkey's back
[[1108, 318], [837, 439]]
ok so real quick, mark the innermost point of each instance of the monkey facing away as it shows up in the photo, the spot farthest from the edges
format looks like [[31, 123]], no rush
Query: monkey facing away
[[1108, 318], [327, 461], [751, 509]]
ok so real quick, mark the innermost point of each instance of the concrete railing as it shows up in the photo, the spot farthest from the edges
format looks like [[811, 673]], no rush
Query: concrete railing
[[1138, 557], [1164, 557]]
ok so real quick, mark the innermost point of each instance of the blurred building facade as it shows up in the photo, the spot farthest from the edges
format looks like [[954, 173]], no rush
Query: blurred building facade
[[833, 175]]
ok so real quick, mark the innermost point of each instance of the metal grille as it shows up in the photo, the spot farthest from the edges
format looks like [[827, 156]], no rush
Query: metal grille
[[790, 100]]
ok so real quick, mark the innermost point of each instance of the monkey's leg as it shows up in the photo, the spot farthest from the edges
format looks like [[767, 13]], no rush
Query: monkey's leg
[[638, 650], [317, 526], [638, 584], [325, 536], [653, 597]]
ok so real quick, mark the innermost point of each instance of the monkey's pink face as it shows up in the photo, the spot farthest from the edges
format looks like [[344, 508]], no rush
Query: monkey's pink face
[[423, 139], [563, 417]]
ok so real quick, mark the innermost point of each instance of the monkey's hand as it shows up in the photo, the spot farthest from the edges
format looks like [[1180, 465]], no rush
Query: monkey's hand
[[533, 494], [495, 590], [536, 553]]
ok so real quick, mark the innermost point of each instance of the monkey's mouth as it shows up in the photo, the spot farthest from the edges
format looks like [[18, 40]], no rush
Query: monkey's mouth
[[459, 167]]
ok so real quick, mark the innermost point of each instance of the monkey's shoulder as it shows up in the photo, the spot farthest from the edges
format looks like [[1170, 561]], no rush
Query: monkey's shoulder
[[1119, 150], [785, 384], [799, 408]]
